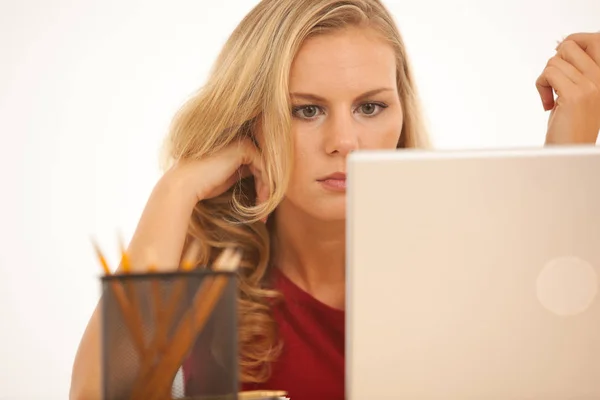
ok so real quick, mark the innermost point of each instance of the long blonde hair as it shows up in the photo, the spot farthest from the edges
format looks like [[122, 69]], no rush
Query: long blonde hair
[[248, 87]]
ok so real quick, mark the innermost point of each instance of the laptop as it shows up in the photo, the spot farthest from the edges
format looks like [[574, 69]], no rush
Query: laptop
[[473, 274]]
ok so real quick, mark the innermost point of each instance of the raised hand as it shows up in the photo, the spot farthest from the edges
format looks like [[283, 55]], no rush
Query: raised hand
[[573, 74]]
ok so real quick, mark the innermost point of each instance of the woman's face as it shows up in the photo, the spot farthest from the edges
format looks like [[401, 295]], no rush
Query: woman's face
[[344, 98]]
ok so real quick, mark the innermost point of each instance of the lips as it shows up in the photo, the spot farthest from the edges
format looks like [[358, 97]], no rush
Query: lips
[[335, 182], [338, 176]]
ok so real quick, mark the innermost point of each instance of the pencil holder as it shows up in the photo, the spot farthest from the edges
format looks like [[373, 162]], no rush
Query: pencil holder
[[170, 336]]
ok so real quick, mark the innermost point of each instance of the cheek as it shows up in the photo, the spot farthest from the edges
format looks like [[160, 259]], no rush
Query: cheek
[[387, 135], [304, 152]]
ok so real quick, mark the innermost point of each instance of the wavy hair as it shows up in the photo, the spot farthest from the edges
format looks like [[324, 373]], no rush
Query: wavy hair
[[248, 88]]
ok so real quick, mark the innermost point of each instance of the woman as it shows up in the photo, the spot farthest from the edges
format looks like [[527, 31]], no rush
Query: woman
[[299, 85]]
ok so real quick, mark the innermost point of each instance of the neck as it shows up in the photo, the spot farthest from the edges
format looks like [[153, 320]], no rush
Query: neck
[[311, 253]]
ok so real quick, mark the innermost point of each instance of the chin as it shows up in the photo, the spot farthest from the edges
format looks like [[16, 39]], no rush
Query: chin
[[331, 211], [322, 208]]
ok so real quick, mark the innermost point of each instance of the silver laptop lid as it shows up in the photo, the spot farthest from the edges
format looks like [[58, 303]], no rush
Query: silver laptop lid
[[474, 275]]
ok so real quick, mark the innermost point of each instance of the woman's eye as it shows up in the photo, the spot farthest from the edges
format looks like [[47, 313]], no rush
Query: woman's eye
[[371, 108], [309, 111], [306, 112]]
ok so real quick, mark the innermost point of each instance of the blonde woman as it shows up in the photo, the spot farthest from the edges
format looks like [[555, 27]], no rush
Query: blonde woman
[[299, 85]]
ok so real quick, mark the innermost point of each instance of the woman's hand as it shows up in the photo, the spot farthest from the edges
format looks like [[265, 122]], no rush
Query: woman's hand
[[212, 176], [574, 75]]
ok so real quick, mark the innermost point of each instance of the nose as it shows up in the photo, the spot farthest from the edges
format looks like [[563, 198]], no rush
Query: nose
[[342, 135]]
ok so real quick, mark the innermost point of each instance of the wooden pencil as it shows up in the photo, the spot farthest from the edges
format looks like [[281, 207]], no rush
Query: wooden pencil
[[130, 314], [157, 303], [160, 382], [158, 344], [125, 264], [187, 264], [130, 286]]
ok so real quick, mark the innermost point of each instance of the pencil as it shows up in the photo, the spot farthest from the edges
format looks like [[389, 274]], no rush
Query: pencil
[[187, 264], [133, 298], [101, 258], [189, 327], [130, 316], [125, 264], [160, 328], [159, 341]]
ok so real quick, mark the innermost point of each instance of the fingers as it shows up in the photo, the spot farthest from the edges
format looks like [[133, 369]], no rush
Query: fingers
[[571, 87], [588, 42], [573, 72], [558, 76], [567, 69], [260, 181], [576, 56], [251, 158], [247, 153]]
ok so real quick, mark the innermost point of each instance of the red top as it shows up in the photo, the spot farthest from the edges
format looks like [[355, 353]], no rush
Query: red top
[[311, 365]]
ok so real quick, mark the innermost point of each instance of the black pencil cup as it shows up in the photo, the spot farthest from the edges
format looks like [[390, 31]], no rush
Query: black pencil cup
[[170, 336]]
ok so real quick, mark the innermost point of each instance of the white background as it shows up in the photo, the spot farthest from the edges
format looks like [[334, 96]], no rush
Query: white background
[[87, 89]]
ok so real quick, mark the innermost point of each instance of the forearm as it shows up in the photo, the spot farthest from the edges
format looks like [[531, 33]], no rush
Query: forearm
[[159, 239], [160, 235]]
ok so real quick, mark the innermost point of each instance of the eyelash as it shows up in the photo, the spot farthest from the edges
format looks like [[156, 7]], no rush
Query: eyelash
[[298, 109]]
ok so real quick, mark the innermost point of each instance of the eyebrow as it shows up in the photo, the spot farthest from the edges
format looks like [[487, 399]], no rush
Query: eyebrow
[[314, 97]]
